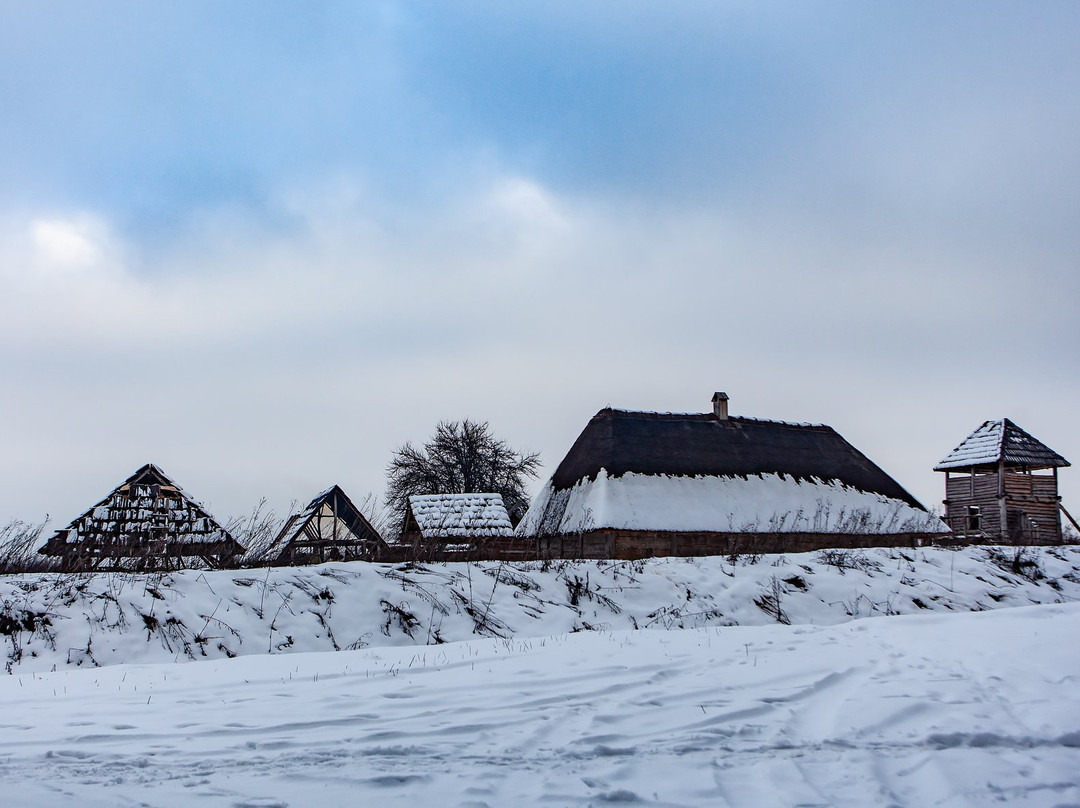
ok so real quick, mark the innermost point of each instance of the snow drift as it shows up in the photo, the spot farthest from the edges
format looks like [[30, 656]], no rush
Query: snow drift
[[51, 621]]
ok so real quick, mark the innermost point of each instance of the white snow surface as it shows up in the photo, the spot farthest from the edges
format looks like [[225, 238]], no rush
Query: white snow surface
[[52, 621], [758, 503], [461, 515], [949, 710], [981, 446]]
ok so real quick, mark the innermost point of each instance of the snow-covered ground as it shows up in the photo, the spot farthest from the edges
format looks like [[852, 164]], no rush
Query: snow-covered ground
[[494, 684], [929, 710], [48, 622]]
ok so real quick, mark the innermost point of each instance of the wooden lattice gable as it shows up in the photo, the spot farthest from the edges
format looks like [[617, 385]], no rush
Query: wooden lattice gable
[[330, 519], [1000, 441], [467, 516], [146, 515]]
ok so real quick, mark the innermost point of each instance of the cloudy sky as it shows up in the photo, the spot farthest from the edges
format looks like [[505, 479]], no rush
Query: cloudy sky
[[263, 244]]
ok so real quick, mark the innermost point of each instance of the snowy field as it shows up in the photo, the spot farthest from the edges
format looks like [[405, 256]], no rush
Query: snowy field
[[696, 682], [935, 709]]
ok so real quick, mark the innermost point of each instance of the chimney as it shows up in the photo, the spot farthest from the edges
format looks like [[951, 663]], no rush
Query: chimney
[[719, 405]]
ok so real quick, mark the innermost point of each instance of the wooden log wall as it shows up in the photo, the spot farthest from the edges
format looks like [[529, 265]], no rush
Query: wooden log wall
[[629, 545], [1031, 506]]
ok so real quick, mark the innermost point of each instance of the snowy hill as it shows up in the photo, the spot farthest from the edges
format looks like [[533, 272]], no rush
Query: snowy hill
[[949, 710], [49, 621]]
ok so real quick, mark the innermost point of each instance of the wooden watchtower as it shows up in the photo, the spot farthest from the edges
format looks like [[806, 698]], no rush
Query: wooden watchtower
[[1001, 485]]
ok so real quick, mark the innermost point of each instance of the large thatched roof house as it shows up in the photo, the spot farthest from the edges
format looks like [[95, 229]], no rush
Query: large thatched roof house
[[148, 522], [637, 484]]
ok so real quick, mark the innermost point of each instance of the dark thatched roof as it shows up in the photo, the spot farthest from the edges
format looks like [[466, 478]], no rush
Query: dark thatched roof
[[693, 444], [997, 441]]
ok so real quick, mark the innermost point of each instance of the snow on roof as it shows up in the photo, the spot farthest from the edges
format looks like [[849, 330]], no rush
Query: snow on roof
[[151, 474], [999, 440], [761, 503], [461, 515], [293, 525]]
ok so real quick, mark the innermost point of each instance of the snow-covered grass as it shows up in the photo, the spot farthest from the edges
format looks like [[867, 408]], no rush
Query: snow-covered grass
[[50, 621], [952, 710]]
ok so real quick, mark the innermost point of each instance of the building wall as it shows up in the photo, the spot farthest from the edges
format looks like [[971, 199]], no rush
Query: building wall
[[1030, 500], [645, 544]]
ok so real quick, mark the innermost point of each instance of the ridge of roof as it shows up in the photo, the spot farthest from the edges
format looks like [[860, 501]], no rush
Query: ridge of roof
[[485, 495], [705, 416]]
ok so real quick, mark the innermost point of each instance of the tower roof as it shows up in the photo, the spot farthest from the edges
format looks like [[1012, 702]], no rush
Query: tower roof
[[997, 441]]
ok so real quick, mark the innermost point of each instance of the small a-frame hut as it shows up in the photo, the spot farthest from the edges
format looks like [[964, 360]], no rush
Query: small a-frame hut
[[440, 524], [330, 528], [1001, 484], [147, 523]]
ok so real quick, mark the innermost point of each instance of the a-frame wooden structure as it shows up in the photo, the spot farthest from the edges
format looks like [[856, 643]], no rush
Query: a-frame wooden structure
[[148, 523], [330, 528]]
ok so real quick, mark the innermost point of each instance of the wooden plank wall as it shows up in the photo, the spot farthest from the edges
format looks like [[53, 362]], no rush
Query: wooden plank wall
[[1033, 494], [626, 545]]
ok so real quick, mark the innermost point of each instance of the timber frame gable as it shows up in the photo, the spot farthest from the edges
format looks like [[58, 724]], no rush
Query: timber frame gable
[[330, 528]]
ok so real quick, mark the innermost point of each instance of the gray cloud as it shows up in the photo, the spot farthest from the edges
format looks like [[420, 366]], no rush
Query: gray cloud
[[263, 251], [274, 367]]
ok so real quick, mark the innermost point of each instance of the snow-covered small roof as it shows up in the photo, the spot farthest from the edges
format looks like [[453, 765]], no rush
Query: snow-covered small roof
[[1000, 440], [461, 515]]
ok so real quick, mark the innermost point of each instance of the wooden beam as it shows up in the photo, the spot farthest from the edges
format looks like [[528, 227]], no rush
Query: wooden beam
[[1068, 515], [1003, 511]]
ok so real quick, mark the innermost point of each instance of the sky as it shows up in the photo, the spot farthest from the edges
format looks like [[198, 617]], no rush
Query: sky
[[263, 244]]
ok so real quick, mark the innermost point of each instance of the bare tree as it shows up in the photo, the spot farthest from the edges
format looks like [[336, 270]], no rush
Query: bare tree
[[462, 457]]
